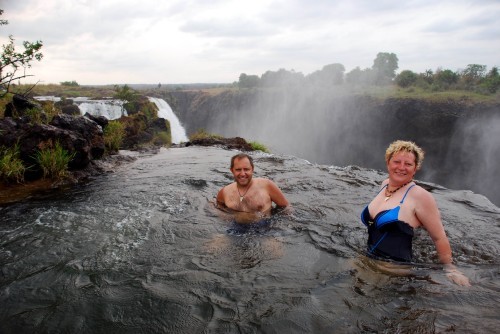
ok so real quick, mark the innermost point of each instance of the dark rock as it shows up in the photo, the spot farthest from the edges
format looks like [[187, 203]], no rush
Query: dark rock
[[235, 143], [19, 105], [75, 134], [101, 120], [88, 129], [71, 109]]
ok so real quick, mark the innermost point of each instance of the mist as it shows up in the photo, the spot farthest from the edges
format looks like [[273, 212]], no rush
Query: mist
[[334, 127]]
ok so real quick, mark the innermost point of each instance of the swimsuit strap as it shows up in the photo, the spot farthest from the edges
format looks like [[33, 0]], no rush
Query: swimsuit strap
[[406, 193], [382, 189]]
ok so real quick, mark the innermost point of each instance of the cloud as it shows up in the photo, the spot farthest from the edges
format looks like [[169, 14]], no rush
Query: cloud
[[113, 41]]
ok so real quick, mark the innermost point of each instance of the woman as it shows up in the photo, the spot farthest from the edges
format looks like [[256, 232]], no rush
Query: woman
[[402, 206]]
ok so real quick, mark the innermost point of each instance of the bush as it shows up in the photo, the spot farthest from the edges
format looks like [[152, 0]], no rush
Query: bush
[[36, 116], [259, 147], [114, 133], [11, 167], [406, 78], [202, 134], [54, 160], [162, 138]]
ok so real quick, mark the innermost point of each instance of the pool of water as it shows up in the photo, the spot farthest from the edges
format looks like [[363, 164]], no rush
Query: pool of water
[[144, 250]]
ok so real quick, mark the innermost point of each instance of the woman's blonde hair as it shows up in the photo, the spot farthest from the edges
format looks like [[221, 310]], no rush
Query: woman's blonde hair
[[405, 146]]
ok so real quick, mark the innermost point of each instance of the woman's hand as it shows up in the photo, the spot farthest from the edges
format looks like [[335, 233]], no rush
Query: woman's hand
[[456, 276]]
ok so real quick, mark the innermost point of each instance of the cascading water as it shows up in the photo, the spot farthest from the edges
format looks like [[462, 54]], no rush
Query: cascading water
[[165, 111], [113, 109]]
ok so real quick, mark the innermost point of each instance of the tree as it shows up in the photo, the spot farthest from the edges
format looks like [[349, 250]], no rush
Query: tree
[[492, 80], [447, 77], [472, 74], [406, 78], [248, 81], [330, 75], [11, 61], [385, 66], [281, 78]]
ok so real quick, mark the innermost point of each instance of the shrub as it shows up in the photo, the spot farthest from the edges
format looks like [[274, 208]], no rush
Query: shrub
[[54, 160], [406, 78], [259, 147], [114, 133], [162, 138], [36, 116], [202, 134], [11, 167]]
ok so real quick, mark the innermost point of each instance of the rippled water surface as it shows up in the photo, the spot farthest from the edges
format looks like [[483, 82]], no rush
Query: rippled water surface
[[143, 250]]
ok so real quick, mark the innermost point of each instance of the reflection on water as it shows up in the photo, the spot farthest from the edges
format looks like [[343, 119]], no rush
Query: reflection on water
[[144, 250]]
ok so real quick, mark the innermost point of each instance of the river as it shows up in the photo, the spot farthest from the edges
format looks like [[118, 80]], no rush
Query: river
[[144, 250]]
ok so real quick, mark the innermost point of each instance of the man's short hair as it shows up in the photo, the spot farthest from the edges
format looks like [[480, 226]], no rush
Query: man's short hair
[[241, 156]]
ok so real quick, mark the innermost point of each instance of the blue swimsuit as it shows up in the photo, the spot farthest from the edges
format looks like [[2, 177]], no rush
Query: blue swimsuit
[[389, 237]]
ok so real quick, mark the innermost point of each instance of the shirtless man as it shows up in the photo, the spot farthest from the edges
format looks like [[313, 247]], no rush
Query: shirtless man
[[249, 199]]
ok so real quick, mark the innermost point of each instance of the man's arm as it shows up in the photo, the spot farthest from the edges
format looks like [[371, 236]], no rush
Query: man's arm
[[220, 199], [276, 195]]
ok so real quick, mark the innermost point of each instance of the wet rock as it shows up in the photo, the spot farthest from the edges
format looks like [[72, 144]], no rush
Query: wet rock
[[19, 106], [236, 143], [75, 134], [101, 120]]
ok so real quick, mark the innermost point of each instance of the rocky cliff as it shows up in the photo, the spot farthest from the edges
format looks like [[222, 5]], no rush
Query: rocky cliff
[[459, 137]]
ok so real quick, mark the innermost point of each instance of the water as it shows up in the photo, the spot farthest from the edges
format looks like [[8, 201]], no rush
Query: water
[[166, 112], [143, 250], [113, 109]]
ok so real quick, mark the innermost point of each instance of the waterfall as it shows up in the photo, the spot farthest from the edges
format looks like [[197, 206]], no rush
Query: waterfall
[[165, 111], [111, 109]]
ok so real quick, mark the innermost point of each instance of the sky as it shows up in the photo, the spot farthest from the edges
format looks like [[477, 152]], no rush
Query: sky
[[214, 41]]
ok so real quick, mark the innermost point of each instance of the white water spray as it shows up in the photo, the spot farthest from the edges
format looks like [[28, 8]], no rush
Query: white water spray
[[111, 109], [165, 111]]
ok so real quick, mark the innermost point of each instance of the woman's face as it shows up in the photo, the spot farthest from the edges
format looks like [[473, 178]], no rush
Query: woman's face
[[402, 167]]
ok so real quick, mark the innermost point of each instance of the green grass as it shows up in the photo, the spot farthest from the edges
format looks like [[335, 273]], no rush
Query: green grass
[[259, 147], [114, 133], [162, 138], [11, 167], [54, 161], [202, 134]]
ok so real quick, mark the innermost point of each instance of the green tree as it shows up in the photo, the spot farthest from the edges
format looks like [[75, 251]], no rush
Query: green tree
[[248, 81], [385, 66], [406, 78], [11, 60], [330, 75], [492, 80], [125, 93], [473, 74], [446, 77], [69, 83], [281, 78]]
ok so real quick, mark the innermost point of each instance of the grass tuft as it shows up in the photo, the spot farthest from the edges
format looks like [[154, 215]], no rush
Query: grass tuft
[[114, 133], [54, 160], [259, 147], [202, 134], [11, 166]]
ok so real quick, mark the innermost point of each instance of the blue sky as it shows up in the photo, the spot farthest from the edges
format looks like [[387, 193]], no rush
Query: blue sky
[[191, 41]]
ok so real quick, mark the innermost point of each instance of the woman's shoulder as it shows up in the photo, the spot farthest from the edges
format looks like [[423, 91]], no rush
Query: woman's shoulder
[[419, 193]]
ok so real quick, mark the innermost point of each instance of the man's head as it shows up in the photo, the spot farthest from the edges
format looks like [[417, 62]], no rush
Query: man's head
[[241, 156], [242, 169]]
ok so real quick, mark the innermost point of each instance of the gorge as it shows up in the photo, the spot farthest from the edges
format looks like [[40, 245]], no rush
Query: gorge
[[460, 137]]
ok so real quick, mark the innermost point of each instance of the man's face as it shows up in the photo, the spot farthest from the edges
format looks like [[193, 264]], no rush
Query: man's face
[[242, 171]]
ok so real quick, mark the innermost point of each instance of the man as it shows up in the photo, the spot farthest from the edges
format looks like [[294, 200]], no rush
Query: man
[[250, 199]]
